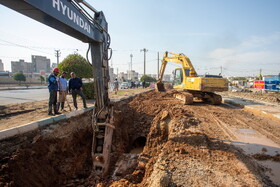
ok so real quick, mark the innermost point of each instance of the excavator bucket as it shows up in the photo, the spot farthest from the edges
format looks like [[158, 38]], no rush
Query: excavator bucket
[[160, 87]]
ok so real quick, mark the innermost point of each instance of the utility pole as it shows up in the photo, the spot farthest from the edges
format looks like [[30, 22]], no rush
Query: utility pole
[[221, 70], [145, 51], [260, 76], [131, 61], [158, 64], [57, 55]]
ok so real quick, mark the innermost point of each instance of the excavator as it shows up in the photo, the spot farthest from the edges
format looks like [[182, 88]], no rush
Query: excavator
[[188, 84]]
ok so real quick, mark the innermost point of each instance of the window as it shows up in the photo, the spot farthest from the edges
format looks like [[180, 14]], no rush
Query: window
[[187, 72], [178, 77]]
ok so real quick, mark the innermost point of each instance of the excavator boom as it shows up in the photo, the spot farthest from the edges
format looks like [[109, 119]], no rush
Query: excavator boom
[[92, 30]]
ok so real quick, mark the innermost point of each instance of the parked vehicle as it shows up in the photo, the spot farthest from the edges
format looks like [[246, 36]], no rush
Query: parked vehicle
[[124, 85]]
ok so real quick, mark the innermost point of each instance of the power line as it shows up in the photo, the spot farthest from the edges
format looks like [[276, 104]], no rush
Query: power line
[[23, 46]]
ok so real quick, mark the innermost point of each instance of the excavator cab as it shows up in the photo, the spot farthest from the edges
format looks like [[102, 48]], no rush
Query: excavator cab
[[178, 77]]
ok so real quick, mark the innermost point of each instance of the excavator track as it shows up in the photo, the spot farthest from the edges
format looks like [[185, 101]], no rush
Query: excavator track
[[187, 98]]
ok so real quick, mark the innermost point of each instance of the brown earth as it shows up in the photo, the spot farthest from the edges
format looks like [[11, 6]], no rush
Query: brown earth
[[180, 145]]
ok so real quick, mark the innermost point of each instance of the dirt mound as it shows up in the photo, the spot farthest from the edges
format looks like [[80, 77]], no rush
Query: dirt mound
[[157, 142], [49, 157], [179, 152]]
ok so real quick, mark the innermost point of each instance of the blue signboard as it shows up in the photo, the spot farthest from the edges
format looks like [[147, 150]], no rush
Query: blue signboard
[[61, 15], [272, 83]]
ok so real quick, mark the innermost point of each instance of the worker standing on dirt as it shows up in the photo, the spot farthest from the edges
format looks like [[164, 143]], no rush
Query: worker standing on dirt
[[53, 88], [62, 88], [76, 87], [116, 86]]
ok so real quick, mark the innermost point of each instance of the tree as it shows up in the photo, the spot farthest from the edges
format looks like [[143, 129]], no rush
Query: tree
[[78, 64], [42, 79], [147, 78], [19, 77]]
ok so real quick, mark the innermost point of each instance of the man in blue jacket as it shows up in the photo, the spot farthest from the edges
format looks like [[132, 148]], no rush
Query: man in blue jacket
[[76, 87], [53, 88]]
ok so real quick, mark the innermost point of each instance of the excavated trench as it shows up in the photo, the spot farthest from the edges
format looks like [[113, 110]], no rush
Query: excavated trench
[[60, 154], [157, 142]]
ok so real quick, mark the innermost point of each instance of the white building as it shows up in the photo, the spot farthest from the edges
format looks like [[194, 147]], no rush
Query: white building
[[41, 63], [122, 77], [132, 75], [112, 75], [167, 77], [1, 66]]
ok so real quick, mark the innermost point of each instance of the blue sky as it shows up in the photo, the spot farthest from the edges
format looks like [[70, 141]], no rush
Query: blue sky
[[241, 36]]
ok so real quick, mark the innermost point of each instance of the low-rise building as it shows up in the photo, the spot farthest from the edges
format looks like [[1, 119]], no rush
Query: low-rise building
[[1, 66]]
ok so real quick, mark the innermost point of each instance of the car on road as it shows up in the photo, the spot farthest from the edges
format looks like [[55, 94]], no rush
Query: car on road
[[124, 85]]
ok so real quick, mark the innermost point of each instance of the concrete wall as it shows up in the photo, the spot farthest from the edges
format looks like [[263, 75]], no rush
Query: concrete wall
[[10, 80]]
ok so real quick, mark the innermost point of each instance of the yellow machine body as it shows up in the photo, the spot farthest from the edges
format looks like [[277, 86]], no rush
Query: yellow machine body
[[205, 84]]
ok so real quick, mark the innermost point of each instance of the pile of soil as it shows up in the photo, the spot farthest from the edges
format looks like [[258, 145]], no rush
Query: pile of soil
[[49, 156], [180, 145], [184, 149]]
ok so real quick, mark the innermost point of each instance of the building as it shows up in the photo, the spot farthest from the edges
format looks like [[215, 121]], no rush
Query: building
[[38, 64], [132, 75], [54, 65], [112, 75], [41, 63], [21, 66], [1, 66], [122, 77], [167, 78]]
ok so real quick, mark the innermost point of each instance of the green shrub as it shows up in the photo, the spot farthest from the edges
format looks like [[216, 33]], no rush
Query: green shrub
[[88, 90]]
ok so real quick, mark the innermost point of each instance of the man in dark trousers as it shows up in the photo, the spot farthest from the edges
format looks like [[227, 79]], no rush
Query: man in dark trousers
[[53, 88], [76, 87]]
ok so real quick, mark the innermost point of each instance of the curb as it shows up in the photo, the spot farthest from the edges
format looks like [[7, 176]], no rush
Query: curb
[[7, 133], [13, 88], [253, 110]]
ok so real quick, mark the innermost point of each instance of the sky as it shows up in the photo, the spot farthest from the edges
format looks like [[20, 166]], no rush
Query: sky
[[232, 37]]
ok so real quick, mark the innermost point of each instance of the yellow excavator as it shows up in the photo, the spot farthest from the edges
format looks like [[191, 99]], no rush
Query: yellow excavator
[[188, 84]]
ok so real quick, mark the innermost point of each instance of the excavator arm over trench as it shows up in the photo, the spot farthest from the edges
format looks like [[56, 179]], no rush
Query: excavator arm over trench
[[71, 18]]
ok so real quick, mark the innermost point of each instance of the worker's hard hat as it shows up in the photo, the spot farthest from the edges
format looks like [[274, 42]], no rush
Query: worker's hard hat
[[56, 70]]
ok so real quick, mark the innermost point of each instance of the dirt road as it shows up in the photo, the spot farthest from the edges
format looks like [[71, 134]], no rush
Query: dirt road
[[157, 142]]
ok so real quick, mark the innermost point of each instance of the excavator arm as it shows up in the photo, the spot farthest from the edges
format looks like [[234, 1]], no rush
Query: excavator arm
[[81, 25]]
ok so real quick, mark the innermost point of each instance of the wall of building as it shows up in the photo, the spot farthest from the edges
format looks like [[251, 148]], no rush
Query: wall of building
[[1, 65], [41, 63]]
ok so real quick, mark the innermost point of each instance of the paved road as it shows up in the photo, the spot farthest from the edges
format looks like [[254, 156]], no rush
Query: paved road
[[21, 96]]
